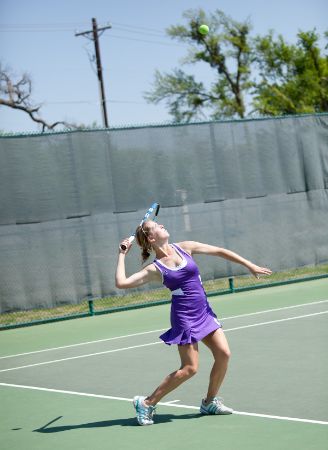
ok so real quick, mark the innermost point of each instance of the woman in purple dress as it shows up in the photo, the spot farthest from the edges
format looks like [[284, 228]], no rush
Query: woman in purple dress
[[192, 319]]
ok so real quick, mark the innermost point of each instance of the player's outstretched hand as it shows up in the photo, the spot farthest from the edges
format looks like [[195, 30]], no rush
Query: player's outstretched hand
[[257, 271]]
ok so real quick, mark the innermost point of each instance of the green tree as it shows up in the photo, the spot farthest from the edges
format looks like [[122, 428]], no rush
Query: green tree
[[276, 77], [227, 50], [293, 78]]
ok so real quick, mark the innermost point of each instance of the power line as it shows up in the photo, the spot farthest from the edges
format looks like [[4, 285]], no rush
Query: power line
[[60, 26], [140, 30], [38, 31], [146, 40], [68, 27], [137, 27], [145, 33], [39, 28], [36, 28], [91, 102], [114, 36]]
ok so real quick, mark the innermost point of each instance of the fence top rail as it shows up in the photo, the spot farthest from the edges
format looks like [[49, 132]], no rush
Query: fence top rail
[[6, 135]]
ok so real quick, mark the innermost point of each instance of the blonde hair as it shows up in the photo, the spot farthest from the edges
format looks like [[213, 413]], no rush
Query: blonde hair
[[142, 240]]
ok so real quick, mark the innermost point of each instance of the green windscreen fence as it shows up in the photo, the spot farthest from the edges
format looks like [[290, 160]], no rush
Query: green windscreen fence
[[257, 187]]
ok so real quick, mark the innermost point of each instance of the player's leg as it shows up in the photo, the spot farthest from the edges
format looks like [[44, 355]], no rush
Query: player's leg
[[145, 406], [189, 365], [219, 347]]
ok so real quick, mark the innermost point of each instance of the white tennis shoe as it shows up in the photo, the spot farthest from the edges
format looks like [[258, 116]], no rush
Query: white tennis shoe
[[145, 413], [214, 407]]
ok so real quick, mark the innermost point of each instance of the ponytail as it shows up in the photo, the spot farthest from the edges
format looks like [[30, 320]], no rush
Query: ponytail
[[146, 248]]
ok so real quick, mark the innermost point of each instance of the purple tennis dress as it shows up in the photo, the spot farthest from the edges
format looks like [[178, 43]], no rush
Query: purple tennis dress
[[192, 317]]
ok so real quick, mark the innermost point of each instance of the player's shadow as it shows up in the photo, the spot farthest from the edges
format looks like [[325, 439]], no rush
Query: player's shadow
[[128, 422]]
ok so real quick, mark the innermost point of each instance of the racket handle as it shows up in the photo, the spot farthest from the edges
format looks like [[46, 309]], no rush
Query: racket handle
[[131, 239]]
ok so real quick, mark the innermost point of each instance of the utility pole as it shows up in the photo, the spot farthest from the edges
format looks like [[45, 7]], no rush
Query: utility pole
[[95, 39]]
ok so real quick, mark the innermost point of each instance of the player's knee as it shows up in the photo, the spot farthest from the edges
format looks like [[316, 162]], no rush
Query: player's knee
[[227, 353], [190, 371], [223, 354]]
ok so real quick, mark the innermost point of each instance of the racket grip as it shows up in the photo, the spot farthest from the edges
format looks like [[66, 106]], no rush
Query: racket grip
[[131, 239]]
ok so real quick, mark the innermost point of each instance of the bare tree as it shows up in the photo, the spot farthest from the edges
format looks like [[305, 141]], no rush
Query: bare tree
[[16, 91]]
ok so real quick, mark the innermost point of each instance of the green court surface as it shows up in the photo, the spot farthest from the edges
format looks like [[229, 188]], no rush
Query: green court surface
[[69, 384]]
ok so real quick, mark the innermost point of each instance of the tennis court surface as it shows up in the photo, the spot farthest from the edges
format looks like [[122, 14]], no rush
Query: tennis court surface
[[69, 384]]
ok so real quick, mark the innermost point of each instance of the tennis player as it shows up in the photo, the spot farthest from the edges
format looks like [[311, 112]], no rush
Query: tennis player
[[192, 319]]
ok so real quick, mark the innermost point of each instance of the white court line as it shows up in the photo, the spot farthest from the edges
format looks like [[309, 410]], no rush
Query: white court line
[[276, 321], [169, 404], [81, 356], [158, 342], [84, 343], [158, 331]]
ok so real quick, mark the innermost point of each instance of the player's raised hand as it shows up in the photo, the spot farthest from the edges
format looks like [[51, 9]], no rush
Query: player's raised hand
[[125, 246]]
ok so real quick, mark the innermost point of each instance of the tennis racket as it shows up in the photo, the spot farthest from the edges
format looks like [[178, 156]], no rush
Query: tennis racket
[[151, 214]]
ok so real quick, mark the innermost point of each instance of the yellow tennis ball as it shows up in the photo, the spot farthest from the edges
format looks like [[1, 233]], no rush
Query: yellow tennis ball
[[203, 29]]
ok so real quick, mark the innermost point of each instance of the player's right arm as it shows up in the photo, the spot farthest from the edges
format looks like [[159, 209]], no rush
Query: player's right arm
[[145, 275]]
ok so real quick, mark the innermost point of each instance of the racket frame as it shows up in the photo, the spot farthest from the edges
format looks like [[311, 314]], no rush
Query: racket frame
[[154, 207]]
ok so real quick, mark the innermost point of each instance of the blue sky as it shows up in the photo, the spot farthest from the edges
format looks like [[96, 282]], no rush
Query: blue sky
[[38, 37]]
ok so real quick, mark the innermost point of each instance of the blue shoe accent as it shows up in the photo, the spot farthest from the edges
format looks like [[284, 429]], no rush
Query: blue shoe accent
[[145, 413]]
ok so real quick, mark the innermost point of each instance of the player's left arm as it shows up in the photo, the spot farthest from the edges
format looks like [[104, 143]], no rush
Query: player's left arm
[[199, 248]]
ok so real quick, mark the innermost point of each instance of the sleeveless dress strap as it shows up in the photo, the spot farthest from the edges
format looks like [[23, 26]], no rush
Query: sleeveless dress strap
[[158, 265], [177, 247], [160, 268]]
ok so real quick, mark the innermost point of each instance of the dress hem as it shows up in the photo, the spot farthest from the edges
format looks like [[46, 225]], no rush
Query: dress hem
[[170, 337]]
